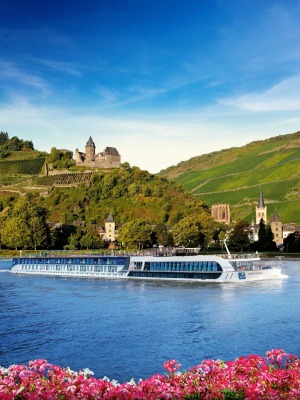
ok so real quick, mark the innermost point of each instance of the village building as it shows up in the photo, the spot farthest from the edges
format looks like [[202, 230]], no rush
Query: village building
[[109, 158], [288, 229], [109, 232], [277, 228]]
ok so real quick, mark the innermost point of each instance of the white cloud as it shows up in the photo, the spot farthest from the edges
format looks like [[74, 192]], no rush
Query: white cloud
[[283, 96], [151, 142]]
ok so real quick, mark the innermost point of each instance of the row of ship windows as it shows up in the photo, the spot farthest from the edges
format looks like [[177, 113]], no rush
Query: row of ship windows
[[192, 266], [72, 261], [173, 275], [75, 268]]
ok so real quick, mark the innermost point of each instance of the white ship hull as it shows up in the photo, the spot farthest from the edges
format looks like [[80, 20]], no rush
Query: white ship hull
[[197, 268]]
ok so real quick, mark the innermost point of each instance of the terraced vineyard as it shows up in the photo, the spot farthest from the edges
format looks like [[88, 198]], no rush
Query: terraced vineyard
[[233, 176], [65, 179], [31, 166]]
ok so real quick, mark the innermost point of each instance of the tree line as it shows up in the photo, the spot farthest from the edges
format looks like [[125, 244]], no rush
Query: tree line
[[24, 225]]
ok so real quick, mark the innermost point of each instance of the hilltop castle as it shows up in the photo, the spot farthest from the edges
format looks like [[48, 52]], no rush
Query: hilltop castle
[[109, 158]]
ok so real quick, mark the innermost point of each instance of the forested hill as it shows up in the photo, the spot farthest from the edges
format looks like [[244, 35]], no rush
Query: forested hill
[[234, 175], [128, 193]]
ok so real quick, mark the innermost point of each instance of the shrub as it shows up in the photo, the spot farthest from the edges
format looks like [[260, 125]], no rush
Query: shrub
[[276, 376]]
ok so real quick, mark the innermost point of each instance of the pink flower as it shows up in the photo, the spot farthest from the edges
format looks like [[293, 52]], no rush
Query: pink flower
[[277, 376]]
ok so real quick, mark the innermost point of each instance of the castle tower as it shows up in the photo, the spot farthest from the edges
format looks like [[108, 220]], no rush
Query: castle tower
[[110, 228], [261, 209], [276, 226], [90, 150]]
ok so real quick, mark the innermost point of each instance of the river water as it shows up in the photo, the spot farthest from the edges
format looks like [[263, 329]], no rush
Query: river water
[[127, 329]]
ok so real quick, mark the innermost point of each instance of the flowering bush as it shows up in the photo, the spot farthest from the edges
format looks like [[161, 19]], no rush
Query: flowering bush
[[276, 376]]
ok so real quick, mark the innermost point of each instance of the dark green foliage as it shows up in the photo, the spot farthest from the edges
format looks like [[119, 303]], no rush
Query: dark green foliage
[[3, 138], [292, 243], [14, 144], [227, 394], [59, 236], [162, 236], [232, 395], [60, 159], [265, 238], [239, 238]]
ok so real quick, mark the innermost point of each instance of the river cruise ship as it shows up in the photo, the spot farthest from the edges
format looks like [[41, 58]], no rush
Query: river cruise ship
[[192, 268]]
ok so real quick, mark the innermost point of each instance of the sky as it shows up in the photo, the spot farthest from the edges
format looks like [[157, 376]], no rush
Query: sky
[[160, 80]]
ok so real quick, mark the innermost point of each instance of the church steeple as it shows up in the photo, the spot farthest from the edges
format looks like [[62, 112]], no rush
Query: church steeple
[[110, 218], [261, 202], [261, 209]]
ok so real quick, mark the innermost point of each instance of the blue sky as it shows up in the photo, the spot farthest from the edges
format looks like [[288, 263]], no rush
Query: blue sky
[[162, 81]]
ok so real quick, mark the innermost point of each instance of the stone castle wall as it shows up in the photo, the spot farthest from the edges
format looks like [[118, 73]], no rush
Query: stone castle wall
[[109, 158]]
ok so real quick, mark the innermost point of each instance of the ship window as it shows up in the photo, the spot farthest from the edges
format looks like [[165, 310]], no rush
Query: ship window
[[147, 265]]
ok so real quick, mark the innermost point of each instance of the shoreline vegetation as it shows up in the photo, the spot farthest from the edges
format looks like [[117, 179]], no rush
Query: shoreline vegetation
[[276, 376]]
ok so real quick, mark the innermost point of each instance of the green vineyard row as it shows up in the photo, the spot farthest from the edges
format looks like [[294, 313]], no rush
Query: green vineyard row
[[32, 166], [65, 179]]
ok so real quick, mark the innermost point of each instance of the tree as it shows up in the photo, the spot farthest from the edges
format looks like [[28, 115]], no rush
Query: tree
[[162, 235], [60, 159], [74, 242], [91, 241], [194, 230], [265, 237], [136, 233], [26, 226], [15, 233], [3, 137], [292, 243], [221, 238], [262, 234], [239, 236]]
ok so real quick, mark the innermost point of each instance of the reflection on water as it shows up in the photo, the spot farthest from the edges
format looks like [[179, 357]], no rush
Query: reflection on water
[[126, 329]]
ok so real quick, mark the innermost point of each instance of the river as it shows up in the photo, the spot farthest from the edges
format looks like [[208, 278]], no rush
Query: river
[[126, 329]]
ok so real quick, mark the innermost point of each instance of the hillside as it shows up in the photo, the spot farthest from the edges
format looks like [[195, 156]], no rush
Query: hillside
[[233, 176], [127, 193]]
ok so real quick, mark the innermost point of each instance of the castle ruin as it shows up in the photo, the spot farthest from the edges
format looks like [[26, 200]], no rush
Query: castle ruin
[[109, 158], [221, 213]]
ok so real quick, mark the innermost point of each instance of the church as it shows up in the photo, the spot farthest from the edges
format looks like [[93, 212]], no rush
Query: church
[[275, 221], [109, 158]]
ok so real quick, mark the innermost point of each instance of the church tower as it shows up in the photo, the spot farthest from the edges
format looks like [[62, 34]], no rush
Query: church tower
[[90, 150], [110, 228], [261, 209]]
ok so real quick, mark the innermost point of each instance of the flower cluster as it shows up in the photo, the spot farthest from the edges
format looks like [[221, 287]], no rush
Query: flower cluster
[[276, 376]]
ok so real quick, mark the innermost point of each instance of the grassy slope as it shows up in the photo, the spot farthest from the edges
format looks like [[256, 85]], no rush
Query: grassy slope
[[233, 176]]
